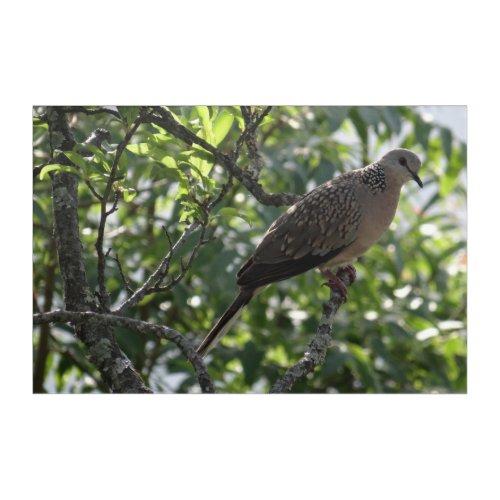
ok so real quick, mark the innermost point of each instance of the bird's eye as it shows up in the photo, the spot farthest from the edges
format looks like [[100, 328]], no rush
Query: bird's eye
[[402, 161]]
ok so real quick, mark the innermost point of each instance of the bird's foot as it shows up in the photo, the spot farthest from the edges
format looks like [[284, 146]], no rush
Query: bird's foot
[[335, 283], [350, 270]]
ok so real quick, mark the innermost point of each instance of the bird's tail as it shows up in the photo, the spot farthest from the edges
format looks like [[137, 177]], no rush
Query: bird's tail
[[225, 323]]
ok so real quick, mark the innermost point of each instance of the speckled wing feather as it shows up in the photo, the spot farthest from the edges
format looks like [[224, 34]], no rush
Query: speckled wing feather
[[311, 232]]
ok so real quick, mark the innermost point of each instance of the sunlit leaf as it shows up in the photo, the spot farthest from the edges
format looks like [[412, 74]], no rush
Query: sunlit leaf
[[169, 162], [451, 174], [49, 168], [222, 125], [128, 113], [228, 213], [77, 159], [129, 194]]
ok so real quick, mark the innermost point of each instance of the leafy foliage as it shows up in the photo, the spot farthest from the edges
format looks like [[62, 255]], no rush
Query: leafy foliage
[[404, 326]]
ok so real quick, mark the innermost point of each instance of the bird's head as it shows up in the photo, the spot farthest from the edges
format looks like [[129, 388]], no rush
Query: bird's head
[[401, 165]]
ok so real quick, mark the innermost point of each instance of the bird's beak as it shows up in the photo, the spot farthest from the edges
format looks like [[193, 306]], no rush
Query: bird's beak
[[417, 179]]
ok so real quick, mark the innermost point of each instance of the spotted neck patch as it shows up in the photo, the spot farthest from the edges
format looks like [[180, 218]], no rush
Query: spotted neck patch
[[373, 177]]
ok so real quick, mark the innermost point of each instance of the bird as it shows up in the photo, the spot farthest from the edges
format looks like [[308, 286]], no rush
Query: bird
[[329, 227]]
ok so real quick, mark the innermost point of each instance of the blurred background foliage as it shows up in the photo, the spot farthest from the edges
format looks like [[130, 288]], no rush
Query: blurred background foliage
[[403, 328]]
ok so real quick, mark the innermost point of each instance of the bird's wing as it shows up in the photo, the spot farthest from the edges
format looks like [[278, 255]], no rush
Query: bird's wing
[[313, 231]]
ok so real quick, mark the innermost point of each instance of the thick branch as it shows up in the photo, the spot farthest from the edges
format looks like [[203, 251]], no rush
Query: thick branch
[[318, 347], [162, 332], [116, 370]]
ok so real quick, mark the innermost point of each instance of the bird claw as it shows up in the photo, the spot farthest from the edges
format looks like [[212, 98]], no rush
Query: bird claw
[[335, 283]]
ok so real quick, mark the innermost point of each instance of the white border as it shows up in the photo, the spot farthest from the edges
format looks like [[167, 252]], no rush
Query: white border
[[382, 52]]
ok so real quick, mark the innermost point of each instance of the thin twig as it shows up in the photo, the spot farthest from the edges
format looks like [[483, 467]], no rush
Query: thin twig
[[126, 282], [256, 162], [251, 125], [184, 266], [159, 273], [92, 190], [168, 238], [103, 292], [160, 331]]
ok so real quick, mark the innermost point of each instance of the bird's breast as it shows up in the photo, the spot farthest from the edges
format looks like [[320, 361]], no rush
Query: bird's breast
[[376, 217]]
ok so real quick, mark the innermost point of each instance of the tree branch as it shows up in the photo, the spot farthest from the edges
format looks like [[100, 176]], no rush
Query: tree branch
[[248, 136], [184, 267], [159, 273], [116, 370], [164, 119], [318, 347], [90, 111], [103, 292], [96, 138], [125, 281], [111, 320]]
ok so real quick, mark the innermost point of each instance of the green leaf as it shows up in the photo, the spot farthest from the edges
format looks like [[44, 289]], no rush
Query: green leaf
[[369, 114], [99, 156], [198, 174], [204, 114], [123, 162], [364, 367], [336, 116], [182, 120], [241, 122], [49, 168], [59, 169], [142, 148], [169, 162], [129, 194], [200, 153], [392, 118], [206, 132], [159, 139], [184, 187], [201, 165], [222, 126], [446, 141], [77, 159], [229, 213], [453, 169], [422, 131], [251, 359], [39, 123], [359, 125], [128, 113], [38, 212]]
